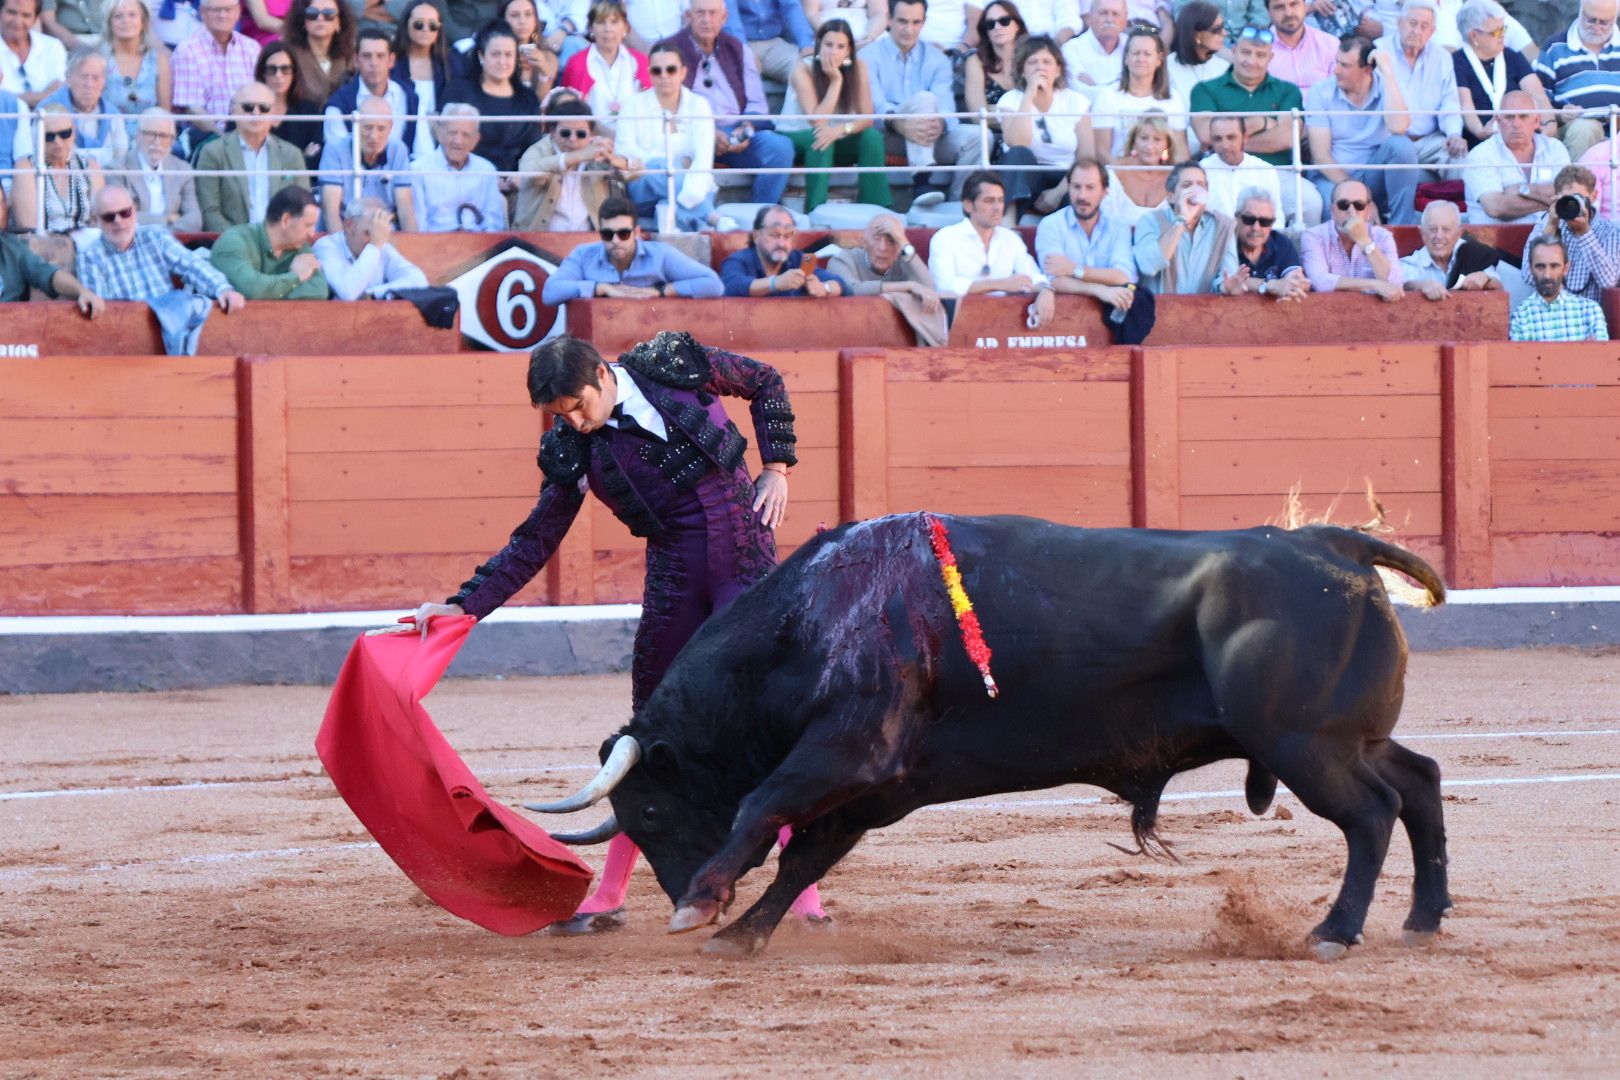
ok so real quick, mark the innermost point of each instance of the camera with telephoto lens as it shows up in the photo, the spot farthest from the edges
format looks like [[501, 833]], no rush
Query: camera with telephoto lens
[[1570, 207]]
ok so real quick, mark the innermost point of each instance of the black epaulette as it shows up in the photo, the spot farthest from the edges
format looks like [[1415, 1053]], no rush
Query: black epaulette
[[672, 358], [564, 453]]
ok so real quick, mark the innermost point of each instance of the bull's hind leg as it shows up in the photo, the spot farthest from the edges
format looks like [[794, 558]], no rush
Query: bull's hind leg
[[810, 854], [1417, 779], [1364, 808]]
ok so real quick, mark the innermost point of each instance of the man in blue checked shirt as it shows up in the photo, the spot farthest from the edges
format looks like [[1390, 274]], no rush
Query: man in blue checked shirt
[[131, 261], [627, 267], [1554, 313], [1085, 253]]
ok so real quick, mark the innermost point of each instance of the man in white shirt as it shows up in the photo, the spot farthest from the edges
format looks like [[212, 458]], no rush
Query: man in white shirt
[[32, 63], [373, 63], [454, 189], [1096, 57], [1231, 169], [359, 261], [1517, 185], [1448, 260], [651, 21], [978, 255], [952, 25]]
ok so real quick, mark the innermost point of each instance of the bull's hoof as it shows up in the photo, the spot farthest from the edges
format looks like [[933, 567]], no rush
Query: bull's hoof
[[733, 946], [1328, 951], [690, 917], [596, 922], [1417, 939]]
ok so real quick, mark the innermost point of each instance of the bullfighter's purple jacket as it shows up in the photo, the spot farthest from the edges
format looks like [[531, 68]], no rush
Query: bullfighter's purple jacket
[[690, 497]]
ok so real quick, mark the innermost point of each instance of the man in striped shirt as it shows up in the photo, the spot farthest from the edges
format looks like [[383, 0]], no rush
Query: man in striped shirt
[[1582, 74], [1554, 314], [131, 261]]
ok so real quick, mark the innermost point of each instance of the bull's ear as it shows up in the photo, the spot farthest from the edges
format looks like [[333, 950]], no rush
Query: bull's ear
[[660, 759], [607, 748]]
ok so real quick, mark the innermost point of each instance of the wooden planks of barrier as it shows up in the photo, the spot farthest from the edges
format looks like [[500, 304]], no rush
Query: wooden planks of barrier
[[786, 323], [120, 485], [1554, 445]]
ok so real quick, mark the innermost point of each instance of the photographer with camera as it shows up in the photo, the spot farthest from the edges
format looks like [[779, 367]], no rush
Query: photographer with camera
[[1593, 242]]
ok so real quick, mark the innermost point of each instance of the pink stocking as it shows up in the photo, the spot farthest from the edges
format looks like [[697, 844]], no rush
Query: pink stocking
[[610, 890], [808, 905]]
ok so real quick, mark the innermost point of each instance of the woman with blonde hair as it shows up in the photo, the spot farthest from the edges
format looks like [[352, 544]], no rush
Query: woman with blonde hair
[[830, 86], [138, 74], [1136, 181]]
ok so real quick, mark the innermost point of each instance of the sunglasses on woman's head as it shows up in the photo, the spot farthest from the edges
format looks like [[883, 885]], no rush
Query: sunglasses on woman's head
[[327, 14], [1257, 33], [52, 136], [111, 216], [423, 24], [1000, 20], [1345, 204], [1256, 219], [615, 234]]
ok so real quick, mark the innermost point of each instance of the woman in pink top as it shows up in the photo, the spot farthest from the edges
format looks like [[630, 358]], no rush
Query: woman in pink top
[[608, 73], [261, 19], [1597, 159]]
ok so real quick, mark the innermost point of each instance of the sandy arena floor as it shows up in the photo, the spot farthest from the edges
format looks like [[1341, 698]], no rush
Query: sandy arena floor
[[190, 897]]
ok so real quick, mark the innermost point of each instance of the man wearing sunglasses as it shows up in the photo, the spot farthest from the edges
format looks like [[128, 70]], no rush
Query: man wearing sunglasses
[[567, 174], [211, 65], [131, 261], [1346, 254], [258, 164], [1267, 261], [1359, 117], [721, 69], [626, 267]]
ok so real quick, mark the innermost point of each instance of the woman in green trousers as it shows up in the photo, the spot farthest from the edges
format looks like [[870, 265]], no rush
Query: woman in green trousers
[[828, 86]]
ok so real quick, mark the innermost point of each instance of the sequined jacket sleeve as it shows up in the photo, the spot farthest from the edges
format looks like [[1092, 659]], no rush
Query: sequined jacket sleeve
[[532, 543], [762, 386]]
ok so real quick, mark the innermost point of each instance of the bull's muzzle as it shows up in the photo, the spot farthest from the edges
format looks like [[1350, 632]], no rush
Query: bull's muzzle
[[626, 752]]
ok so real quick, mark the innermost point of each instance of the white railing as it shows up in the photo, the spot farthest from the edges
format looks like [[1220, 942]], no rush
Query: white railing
[[1296, 166]]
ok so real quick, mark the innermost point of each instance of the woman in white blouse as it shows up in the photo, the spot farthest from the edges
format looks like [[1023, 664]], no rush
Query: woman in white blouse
[[1044, 123], [1144, 86], [671, 130], [609, 73]]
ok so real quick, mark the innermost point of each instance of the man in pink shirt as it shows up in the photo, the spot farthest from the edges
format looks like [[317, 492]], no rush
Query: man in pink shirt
[[1302, 54], [213, 64], [1597, 159], [1347, 254]]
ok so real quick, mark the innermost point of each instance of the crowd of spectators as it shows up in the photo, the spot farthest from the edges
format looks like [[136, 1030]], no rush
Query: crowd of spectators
[[1155, 143]]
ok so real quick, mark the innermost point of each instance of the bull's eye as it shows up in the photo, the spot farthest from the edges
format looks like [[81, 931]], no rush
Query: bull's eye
[[649, 816]]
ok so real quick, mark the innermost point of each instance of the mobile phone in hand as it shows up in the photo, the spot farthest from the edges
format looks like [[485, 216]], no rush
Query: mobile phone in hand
[[811, 261]]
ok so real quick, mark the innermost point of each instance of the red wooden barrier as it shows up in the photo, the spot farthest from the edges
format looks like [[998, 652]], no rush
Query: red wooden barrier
[[744, 325]]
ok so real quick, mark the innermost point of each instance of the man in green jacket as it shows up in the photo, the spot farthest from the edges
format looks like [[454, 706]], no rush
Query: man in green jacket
[[273, 261]]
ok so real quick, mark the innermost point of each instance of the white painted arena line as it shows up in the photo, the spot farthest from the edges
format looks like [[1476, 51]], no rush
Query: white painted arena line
[[326, 620], [216, 858]]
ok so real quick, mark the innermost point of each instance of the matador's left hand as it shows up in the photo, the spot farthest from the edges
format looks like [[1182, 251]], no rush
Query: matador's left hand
[[771, 497]]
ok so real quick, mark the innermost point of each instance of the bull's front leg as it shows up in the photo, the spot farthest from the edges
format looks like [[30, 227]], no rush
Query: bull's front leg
[[789, 796], [813, 851]]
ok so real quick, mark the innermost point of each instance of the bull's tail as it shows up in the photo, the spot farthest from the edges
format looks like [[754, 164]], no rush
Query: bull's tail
[[1371, 552]]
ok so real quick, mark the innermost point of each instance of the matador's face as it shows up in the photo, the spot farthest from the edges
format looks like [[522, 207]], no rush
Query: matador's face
[[588, 408]]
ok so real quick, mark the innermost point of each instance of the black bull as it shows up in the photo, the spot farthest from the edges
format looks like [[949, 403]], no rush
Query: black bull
[[837, 696]]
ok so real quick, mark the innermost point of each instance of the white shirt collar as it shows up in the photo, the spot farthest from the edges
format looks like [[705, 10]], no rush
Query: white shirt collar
[[636, 405]]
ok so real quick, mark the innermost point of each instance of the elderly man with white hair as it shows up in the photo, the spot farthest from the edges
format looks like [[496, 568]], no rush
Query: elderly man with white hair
[[1428, 82], [1582, 74], [161, 184], [1267, 261], [887, 265], [454, 189], [85, 96], [1510, 175], [359, 261], [1448, 261]]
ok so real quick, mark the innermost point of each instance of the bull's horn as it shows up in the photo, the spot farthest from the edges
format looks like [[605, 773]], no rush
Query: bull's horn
[[626, 752], [607, 830]]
